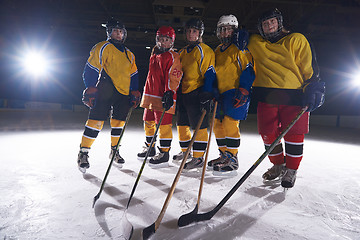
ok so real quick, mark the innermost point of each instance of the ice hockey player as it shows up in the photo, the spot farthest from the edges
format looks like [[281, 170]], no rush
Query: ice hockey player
[[159, 94], [235, 76], [287, 79], [198, 61], [111, 81]]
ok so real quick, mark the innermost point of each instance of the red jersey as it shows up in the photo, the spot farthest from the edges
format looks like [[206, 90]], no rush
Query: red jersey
[[164, 75]]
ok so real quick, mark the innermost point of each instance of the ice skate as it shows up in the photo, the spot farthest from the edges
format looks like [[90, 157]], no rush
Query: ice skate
[[274, 174], [288, 180], [160, 160], [228, 167], [83, 162], [117, 158], [195, 163], [141, 156], [180, 156], [220, 159]]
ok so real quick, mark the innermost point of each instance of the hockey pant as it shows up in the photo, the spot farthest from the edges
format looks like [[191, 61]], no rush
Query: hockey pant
[[272, 119], [188, 116], [200, 142], [109, 100], [93, 127], [151, 118], [293, 150], [227, 134]]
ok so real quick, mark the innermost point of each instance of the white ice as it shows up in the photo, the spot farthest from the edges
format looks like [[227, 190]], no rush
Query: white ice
[[44, 195]]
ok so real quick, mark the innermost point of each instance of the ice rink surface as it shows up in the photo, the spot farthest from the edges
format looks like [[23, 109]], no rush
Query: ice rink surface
[[44, 195]]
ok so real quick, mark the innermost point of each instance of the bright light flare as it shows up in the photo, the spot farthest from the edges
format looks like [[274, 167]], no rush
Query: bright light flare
[[35, 63], [356, 79]]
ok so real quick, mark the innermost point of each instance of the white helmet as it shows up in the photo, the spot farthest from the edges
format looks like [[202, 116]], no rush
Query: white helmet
[[226, 20]]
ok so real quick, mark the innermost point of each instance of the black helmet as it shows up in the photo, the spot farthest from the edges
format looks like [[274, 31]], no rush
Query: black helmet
[[273, 13], [195, 23], [111, 24]]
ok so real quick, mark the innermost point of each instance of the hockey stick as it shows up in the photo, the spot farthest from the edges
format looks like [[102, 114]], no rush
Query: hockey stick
[[181, 219], [148, 231], [195, 217], [112, 158], [126, 225], [146, 156]]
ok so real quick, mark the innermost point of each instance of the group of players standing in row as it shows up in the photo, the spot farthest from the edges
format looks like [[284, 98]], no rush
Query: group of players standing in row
[[276, 67]]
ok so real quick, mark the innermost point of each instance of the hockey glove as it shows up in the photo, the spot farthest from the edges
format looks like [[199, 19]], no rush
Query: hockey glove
[[205, 101], [167, 100], [314, 94], [240, 97], [241, 38], [135, 98], [216, 94], [89, 96]]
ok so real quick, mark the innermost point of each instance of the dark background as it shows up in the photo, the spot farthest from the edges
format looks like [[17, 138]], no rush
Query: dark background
[[66, 31]]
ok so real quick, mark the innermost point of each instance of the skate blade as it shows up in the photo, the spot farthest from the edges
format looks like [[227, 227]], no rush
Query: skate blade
[[142, 158], [82, 170], [177, 162], [229, 174], [196, 169], [209, 168], [272, 182], [119, 165], [160, 165]]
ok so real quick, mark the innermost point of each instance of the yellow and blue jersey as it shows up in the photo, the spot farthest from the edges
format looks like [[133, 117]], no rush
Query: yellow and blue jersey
[[118, 63], [234, 69], [198, 66], [230, 64]]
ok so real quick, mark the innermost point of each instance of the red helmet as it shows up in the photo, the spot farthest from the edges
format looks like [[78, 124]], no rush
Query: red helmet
[[166, 31]]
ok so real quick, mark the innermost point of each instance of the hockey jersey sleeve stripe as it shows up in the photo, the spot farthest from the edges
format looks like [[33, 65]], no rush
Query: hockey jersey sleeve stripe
[[102, 51], [239, 62], [132, 55], [92, 67], [169, 80], [202, 56], [154, 96], [210, 77], [170, 83], [90, 75], [247, 77], [134, 82], [135, 73]]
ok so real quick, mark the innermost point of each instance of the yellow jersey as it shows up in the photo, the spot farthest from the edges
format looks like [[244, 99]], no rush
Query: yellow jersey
[[119, 65], [285, 64], [198, 67], [229, 64]]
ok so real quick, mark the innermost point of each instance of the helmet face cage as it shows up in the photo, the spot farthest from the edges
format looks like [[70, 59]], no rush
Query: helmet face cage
[[275, 13], [224, 21], [115, 24], [165, 31], [196, 24]]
